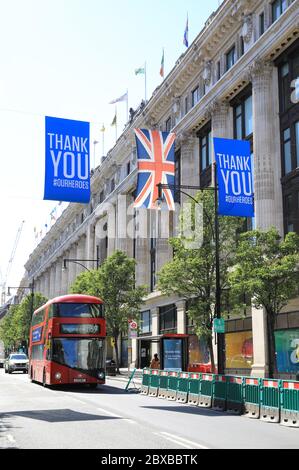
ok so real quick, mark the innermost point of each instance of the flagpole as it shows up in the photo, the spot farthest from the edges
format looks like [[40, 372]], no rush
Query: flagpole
[[145, 81], [127, 107], [103, 140], [116, 123]]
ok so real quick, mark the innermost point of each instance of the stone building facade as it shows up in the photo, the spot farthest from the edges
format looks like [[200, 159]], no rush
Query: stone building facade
[[236, 80]]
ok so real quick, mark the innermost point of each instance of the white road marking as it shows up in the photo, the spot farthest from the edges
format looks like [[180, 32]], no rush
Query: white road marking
[[109, 413], [114, 415], [11, 438], [181, 441]]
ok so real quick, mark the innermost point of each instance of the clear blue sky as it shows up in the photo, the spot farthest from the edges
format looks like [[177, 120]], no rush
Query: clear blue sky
[[69, 58]]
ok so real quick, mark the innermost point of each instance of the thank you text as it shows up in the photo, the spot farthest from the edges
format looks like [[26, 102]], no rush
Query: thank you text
[[67, 160], [234, 175]]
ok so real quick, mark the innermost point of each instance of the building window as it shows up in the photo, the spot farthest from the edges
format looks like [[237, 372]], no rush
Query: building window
[[153, 263], [168, 125], [297, 143], [285, 86], [290, 209], [195, 96], [205, 149], [278, 7], [218, 70], [101, 198], [168, 318], [243, 118], [112, 185], [261, 24], [128, 168], [145, 322], [205, 155], [242, 47], [230, 58], [287, 154], [186, 105]]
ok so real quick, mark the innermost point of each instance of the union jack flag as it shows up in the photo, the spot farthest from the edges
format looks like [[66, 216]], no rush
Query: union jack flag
[[155, 158]]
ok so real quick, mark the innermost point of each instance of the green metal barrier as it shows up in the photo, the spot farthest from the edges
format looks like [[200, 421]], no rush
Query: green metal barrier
[[145, 381], [194, 388], [289, 400], [270, 400], [206, 390], [183, 387], [162, 393], [172, 385], [234, 394], [219, 393], [252, 397], [154, 383]]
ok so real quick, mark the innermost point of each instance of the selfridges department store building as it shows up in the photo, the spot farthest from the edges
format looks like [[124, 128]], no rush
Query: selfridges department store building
[[236, 80]]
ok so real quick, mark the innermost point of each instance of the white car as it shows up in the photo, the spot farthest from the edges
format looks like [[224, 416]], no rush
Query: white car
[[16, 362]]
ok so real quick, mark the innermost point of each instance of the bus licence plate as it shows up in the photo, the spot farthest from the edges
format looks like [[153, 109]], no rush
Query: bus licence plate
[[79, 380]]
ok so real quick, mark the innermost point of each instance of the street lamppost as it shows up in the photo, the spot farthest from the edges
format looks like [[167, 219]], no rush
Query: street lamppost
[[79, 261], [95, 142], [31, 287], [181, 188]]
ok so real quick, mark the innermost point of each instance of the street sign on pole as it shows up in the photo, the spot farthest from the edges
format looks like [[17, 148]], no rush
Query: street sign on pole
[[219, 325]]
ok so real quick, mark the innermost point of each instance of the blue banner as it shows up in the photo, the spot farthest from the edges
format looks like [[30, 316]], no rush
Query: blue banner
[[234, 175], [67, 175], [37, 334]]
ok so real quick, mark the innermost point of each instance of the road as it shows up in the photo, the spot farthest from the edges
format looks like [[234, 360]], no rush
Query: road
[[33, 417]]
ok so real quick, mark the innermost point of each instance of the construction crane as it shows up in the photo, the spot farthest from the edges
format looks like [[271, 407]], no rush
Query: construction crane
[[4, 281]]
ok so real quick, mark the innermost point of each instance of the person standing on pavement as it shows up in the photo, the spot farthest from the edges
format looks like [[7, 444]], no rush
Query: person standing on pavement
[[155, 362]]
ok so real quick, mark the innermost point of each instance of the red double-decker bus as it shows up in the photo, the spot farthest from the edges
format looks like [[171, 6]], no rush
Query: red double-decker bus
[[67, 341]]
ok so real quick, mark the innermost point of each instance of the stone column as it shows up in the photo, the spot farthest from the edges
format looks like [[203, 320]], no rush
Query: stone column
[[267, 187], [58, 275], [89, 245], [189, 159], [181, 316], [124, 240], [266, 147], [71, 267], [64, 275], [142, 248], [259, 333], [52, 280], [42, 281], [155, 329], [80, 254], [221, 127], [47, 283], [111, 229]]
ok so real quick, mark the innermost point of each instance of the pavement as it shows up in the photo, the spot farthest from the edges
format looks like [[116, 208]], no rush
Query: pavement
[[124, 376]]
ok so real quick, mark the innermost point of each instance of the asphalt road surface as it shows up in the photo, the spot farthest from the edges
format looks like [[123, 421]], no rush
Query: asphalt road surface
[[34, 417]]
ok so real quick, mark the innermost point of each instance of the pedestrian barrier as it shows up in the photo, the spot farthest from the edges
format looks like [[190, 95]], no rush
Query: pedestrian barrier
[[183, 387], [172, 385], [206, 390], [270, 400], [163, 386], [194, 389], [252, 397], [145, 381], [219, 393], [234, 394], [154, 383], [289, 411]]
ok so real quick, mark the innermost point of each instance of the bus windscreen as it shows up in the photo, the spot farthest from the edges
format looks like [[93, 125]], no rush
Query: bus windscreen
[[77, 310]]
